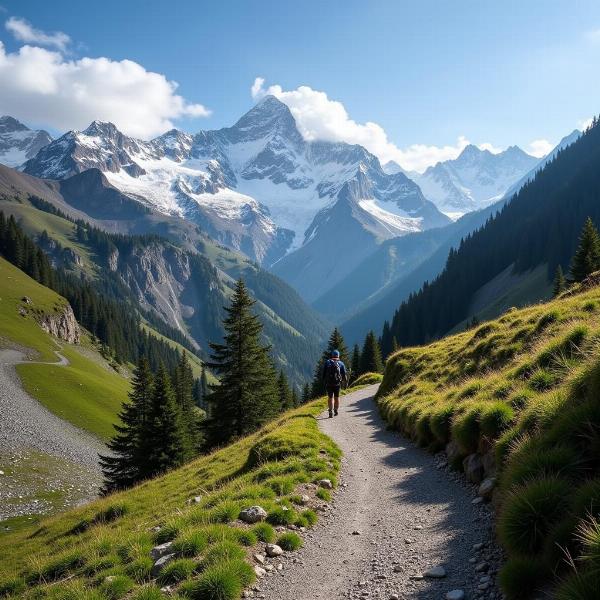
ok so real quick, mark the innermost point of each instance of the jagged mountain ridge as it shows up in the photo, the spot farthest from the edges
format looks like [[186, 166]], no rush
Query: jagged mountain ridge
[[475, 179], [18, 143], [256, 186]]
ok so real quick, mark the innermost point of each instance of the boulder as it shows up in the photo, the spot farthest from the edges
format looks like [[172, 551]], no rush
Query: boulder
[[273, 550], [452, 450], [325, 483], [473, 467], [489, 463], [160, 550], [486, 488], [253, 514], [161, 563]]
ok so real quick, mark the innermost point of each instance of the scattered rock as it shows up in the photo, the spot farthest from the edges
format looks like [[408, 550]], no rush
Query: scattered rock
[[260, 572], [435, 572], [398, 569], [26, 300], [487, 487], [260, 558], [305, 499], [455, 595], [473, 467], [325, 483], [273, 550], [477, 500], [254, 514], [194, 500], [161, 563], [481, 567], [160, 550], [452, 450], [356, 532]]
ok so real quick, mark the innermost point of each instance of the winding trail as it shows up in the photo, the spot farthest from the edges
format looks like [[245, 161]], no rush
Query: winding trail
[[27, 426], [397, 513]]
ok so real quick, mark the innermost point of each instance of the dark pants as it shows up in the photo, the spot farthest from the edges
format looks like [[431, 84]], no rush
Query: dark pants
[[333, 392]]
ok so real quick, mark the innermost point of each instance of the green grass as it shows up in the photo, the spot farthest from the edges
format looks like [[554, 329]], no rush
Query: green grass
[[526, 388], [112, 536]]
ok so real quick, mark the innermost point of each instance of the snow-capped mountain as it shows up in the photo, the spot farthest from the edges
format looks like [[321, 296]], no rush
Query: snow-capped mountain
[[257, 186], [19, 143], [474, 180]]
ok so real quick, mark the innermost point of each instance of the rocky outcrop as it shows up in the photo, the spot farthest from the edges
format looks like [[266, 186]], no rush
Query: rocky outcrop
[[62, 325]]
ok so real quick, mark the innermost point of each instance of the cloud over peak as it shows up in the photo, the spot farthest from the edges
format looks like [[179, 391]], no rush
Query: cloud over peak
[[23, 31]]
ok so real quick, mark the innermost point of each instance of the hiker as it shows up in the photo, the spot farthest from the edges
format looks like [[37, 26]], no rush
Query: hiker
[[334, 374]]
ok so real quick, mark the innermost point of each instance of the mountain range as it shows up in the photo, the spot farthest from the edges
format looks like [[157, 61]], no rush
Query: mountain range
[[18, 143]]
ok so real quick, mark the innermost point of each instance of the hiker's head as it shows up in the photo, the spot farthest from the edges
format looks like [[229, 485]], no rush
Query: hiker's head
[[335, 354]]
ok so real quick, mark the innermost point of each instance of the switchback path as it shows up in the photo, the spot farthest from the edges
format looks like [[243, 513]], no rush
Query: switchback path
[[27, 427], [397, 513]]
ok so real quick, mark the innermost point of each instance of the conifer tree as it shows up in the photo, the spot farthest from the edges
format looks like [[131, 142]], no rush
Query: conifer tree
[[125, 466], [336, 342], [184, 395], [286, 400], [306, 396], [247, 394], [559, 281], [370, 358], [165, 438], [355, 364], [295, 398], [395, 346], [586, 259]]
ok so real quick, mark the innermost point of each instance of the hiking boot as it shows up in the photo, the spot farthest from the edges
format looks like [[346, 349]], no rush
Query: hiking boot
[[331, 414], [335, 412]]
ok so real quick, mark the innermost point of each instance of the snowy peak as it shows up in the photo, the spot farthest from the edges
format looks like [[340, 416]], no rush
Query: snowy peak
[[473, 180], [18, 142]]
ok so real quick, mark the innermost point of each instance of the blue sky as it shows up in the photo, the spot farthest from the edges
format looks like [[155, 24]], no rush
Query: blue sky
[[431, 75]]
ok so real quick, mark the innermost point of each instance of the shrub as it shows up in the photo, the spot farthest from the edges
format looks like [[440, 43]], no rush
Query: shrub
[[190, 543], [520, 577], [529, 513], [323, 494], [222, 552], [219, 582], [465, 428], [495, 418], [118, 587], [177, 570], [264, 532], [441, 421], [532, 460], [148, 592], [140, 569], [579, 586], [281, 516], [290, 541]]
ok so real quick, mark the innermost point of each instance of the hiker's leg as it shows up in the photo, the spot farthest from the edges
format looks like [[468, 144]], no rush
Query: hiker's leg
[[330, 399], [337, 399]]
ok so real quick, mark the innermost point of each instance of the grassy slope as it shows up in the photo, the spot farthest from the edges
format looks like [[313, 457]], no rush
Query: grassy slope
[[266, 468], [87, 392], [524, 389]]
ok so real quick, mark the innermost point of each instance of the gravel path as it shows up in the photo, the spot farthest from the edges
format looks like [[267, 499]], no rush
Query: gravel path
[[28, 429], [397, 513]]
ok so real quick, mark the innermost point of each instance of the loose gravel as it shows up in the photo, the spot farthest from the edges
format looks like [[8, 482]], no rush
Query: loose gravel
[[29, 429], [397, 514]]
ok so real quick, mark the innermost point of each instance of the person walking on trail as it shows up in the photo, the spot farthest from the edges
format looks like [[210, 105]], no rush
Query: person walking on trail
[[334, 374]]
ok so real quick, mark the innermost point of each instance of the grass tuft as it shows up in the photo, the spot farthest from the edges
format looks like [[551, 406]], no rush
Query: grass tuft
[[290, 541]]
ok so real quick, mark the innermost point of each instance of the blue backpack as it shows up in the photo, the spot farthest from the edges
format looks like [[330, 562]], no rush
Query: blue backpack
[[333, 373]]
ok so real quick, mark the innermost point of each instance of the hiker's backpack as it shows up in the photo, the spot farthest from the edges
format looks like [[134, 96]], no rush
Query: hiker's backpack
[[333, 376]]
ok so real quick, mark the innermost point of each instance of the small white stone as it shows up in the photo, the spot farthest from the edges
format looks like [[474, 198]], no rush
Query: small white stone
[[435, 572], [325, 483], [273, 550], [260, 572], [455, 595]]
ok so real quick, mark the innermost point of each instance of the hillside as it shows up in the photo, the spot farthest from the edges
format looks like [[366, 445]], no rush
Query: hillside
[[539, 226], [102, 550], [514, 402]]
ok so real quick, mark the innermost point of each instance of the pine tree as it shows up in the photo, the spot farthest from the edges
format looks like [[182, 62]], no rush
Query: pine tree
[[125, 466], [295, 398], [286, 400], [165, 439], [586, 259], [306, 396], [184, 395], [355, 364], [370, 358], [395, 346], [559, 281], [247, 394], [336, 342]]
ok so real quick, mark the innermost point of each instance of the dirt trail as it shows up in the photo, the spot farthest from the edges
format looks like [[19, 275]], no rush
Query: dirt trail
[[395, 515]]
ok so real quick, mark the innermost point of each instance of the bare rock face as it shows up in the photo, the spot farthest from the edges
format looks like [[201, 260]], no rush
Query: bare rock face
[[62, 325], [473, 466]]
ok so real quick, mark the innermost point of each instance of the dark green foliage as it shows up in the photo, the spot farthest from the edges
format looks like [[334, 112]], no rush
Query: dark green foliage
[[355, 364], [290, 541], [370, 357], [530, 512], [286, 399], [222, 552], [177, 570], [465, 429], [336, 342], [495, 418], [140, 569], [580, 585], [310, 516], [305, 393], [281, 516], [191, 543], [542, 380], [264, 532], [246, 537], [520, 577], [586, 259], [560, 282], [127, 463], [247, 395], [218, 582]]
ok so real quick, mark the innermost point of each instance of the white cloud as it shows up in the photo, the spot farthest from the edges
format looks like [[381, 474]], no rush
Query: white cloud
[[319, 117], [41, 86], [583, 124], [540, 148], [25, 32], [490, 147]]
